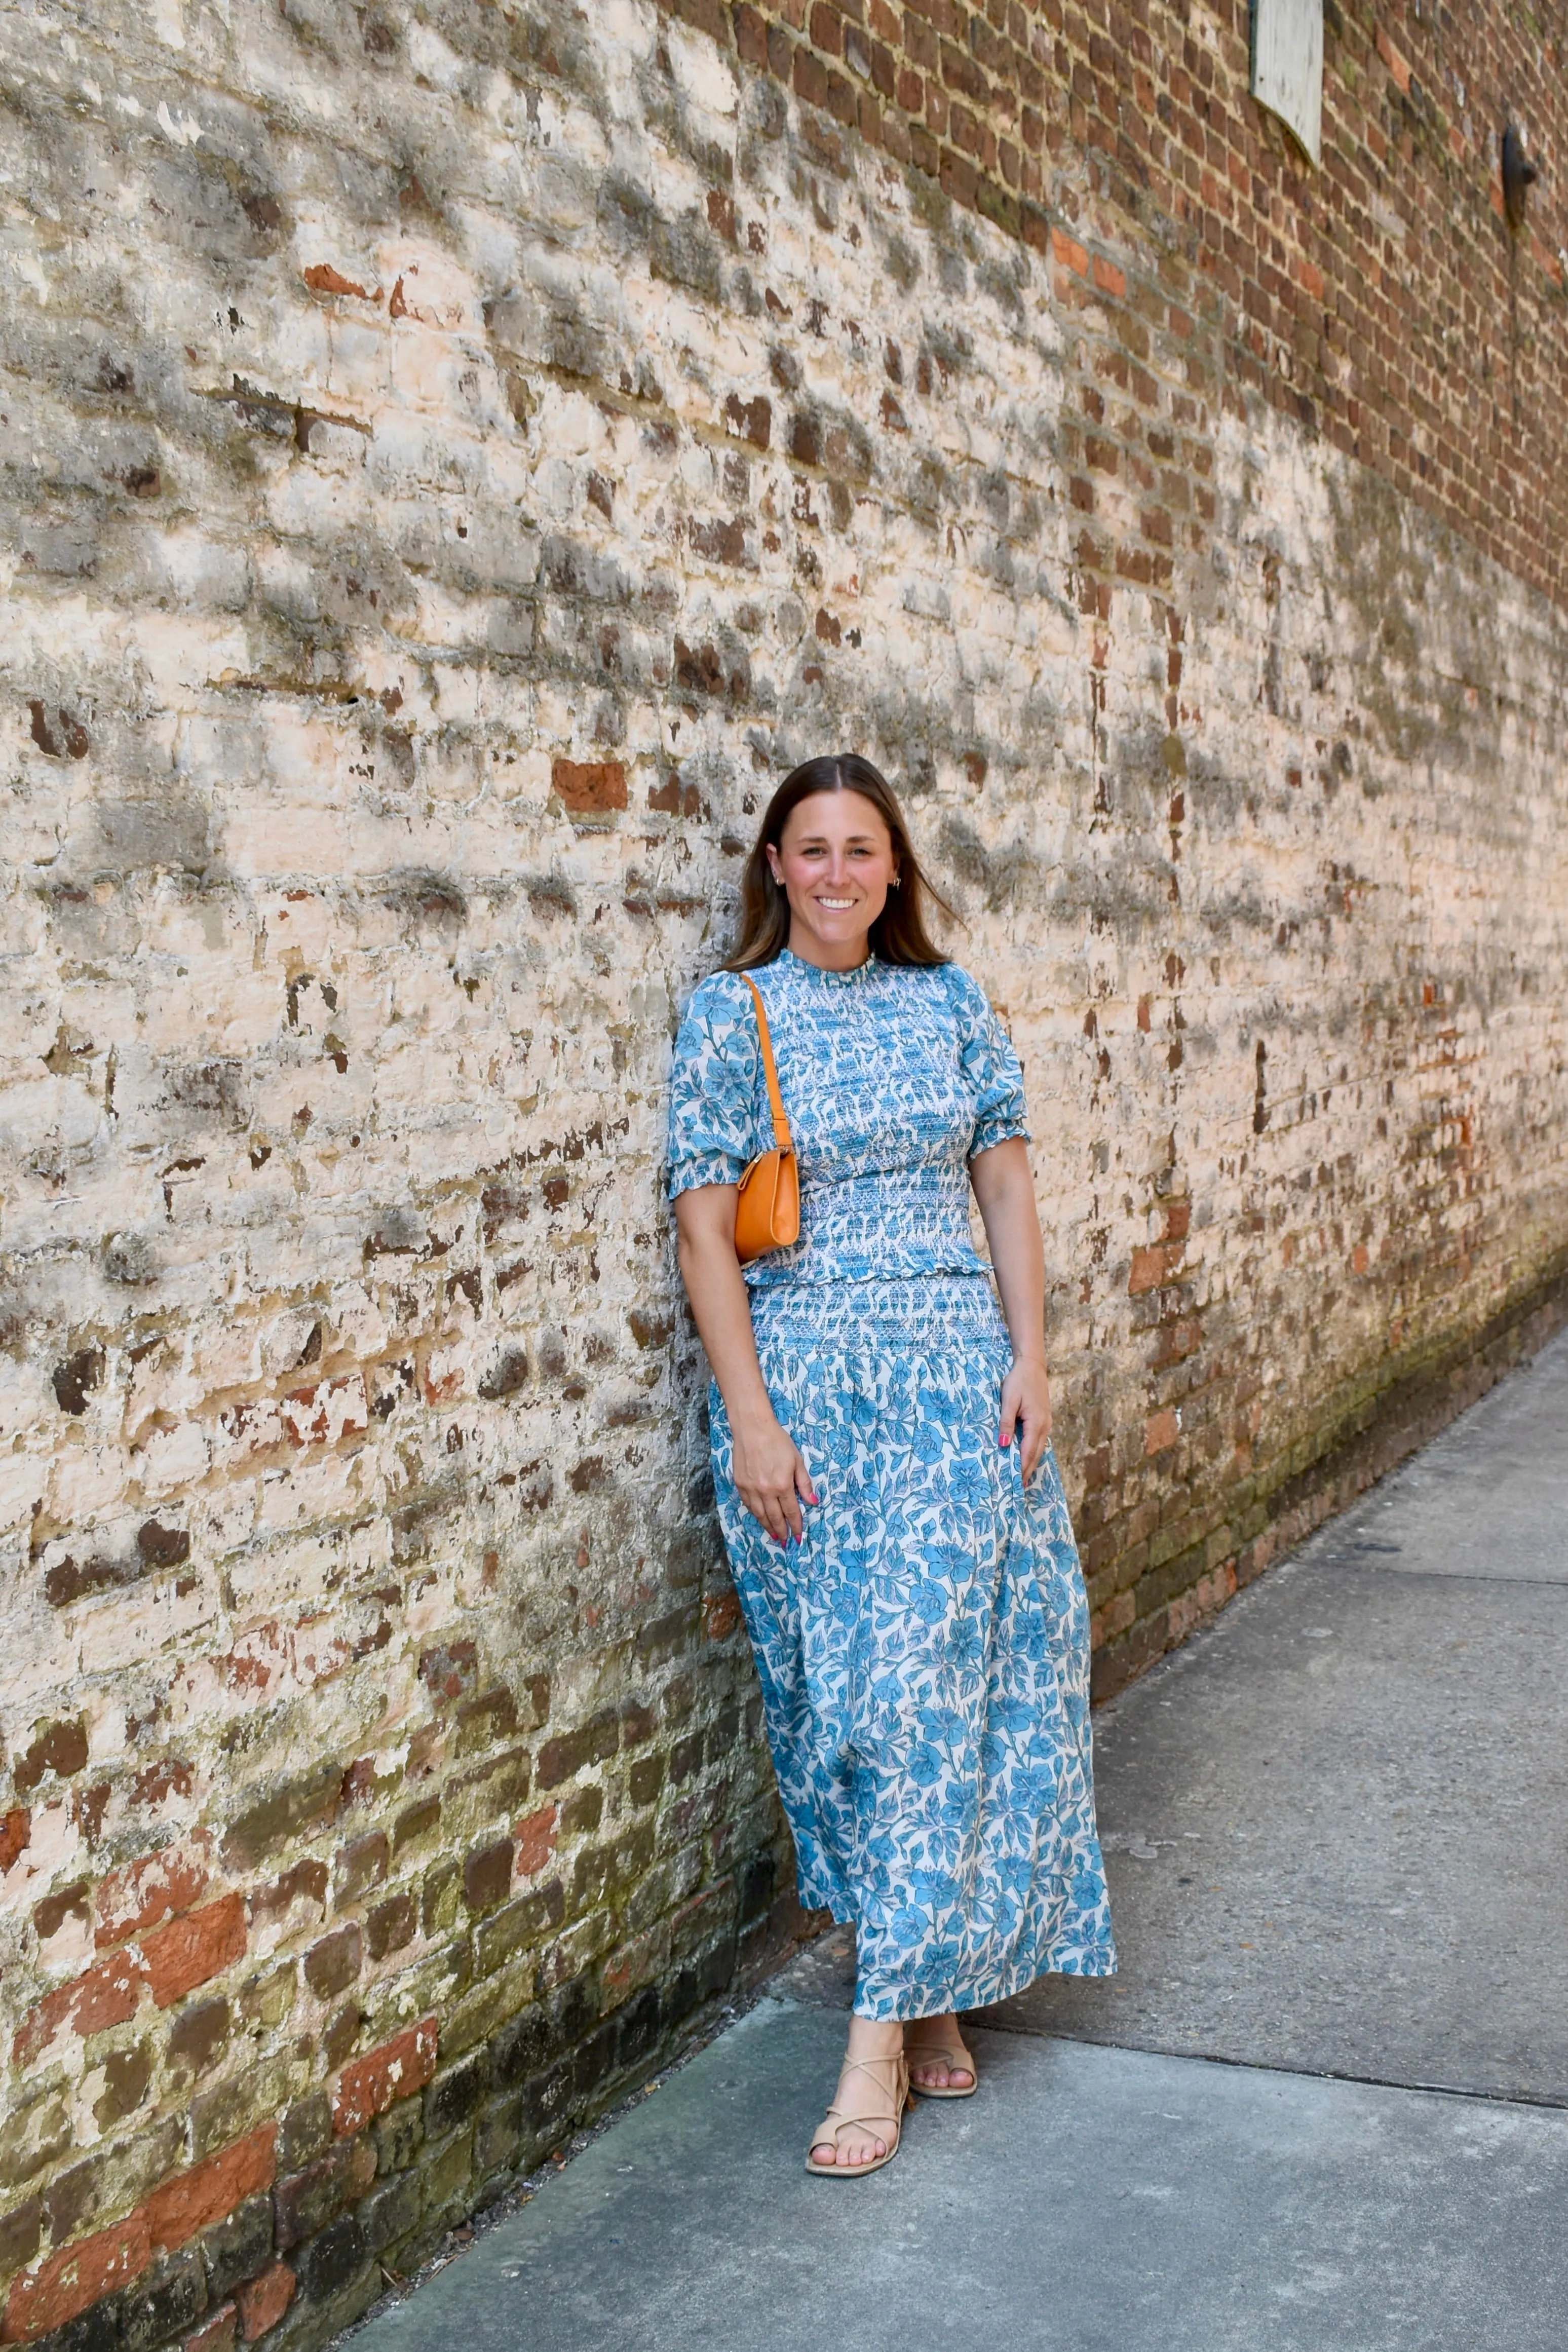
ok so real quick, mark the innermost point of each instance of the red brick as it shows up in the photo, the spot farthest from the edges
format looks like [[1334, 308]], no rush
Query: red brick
[[332, 1965], [1392, 61], [322, 279], [141, 1894], [190, 1951], [50, 1914], [536, 1841], [371, 2085], [60, 1747], [104, 1995], [327, 1411], [709, 16], [811, 78], [194, 2199], [1160, 1432], [590, 787], [217, 2332], [262, 2301], [827, 30], [1069, 252], [75, 2277], [748, 420], [487, 1875], [721, 1615], [1149, 1269]]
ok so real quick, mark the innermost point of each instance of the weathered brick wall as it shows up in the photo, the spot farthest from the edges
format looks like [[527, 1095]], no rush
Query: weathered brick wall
[[454, 463], [1377, 300]]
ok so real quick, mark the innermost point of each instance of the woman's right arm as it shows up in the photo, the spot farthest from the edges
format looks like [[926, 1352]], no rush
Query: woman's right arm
[[770, 1477]]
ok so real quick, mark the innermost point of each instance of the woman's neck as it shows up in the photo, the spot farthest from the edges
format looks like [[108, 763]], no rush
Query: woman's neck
[[828, 955]]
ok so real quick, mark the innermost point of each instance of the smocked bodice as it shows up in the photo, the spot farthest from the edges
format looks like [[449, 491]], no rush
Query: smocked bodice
[[893, 1080]]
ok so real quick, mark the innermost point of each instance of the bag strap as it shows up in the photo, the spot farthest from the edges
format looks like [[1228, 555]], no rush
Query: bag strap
[[775, 1099]]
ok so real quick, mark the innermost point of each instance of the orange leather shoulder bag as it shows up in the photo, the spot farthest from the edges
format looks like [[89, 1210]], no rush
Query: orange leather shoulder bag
[[768, 1210]]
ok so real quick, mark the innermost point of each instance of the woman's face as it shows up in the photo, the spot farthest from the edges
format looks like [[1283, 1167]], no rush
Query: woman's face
[[835, 862]]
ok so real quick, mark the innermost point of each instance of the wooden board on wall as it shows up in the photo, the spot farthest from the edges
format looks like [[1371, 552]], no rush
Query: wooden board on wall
[[1288, 66]]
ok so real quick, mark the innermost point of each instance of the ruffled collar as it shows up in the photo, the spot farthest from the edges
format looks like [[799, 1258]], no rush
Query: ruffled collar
[[818, 975]]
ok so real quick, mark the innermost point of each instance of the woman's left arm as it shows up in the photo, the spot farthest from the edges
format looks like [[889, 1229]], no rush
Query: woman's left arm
[[1005, 1191]]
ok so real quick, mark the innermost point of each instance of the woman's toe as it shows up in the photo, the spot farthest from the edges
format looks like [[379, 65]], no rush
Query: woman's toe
[[940, 2074]]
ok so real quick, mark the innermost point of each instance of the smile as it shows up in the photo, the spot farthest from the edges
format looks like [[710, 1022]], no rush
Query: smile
[[835, 902]]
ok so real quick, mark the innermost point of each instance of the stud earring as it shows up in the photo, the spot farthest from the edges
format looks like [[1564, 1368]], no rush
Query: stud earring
[[897, 883]]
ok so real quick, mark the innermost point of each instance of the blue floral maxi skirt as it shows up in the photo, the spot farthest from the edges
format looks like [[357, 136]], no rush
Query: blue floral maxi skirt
[[924, 1653]]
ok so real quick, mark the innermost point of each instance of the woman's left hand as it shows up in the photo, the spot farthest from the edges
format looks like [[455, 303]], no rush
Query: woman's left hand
[[1026, 1408]]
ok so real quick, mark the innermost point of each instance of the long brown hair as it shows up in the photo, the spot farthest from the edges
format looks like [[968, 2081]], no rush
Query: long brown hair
[[898, 935]]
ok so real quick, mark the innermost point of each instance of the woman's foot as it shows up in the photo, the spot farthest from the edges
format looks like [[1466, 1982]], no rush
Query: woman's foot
[[939, 2064], [860, 2129]]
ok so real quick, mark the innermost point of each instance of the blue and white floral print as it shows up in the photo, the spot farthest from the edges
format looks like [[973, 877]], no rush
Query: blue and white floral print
[[923, 1653], [893, 1080]]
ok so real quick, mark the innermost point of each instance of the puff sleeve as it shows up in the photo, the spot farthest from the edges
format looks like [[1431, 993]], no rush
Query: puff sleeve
[[989, 1065], [713, 1086]]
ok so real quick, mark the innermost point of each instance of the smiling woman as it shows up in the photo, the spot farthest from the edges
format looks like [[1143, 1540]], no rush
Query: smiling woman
[[832, 863], [832, 875], [890, 1503]]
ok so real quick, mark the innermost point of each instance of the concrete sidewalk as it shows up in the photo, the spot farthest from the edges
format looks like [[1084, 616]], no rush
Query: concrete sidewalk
[[1325, 2104]]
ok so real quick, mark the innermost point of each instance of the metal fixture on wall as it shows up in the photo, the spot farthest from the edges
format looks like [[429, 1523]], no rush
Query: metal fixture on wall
[[1519, 175]]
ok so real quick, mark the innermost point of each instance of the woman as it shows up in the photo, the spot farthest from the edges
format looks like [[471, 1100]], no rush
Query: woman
[[889, 1504]]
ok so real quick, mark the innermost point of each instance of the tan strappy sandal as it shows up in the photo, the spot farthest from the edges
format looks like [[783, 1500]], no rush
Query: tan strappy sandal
[[922, 2046], [883, 2115]]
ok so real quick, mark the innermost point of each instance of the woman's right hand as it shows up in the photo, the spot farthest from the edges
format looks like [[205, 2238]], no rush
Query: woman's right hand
[[771, 1477]]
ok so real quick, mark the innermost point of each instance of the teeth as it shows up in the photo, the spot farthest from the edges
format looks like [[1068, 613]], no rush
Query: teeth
[[835, 902]]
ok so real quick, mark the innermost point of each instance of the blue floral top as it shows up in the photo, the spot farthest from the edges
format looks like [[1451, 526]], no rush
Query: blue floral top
[[893, 1078]]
